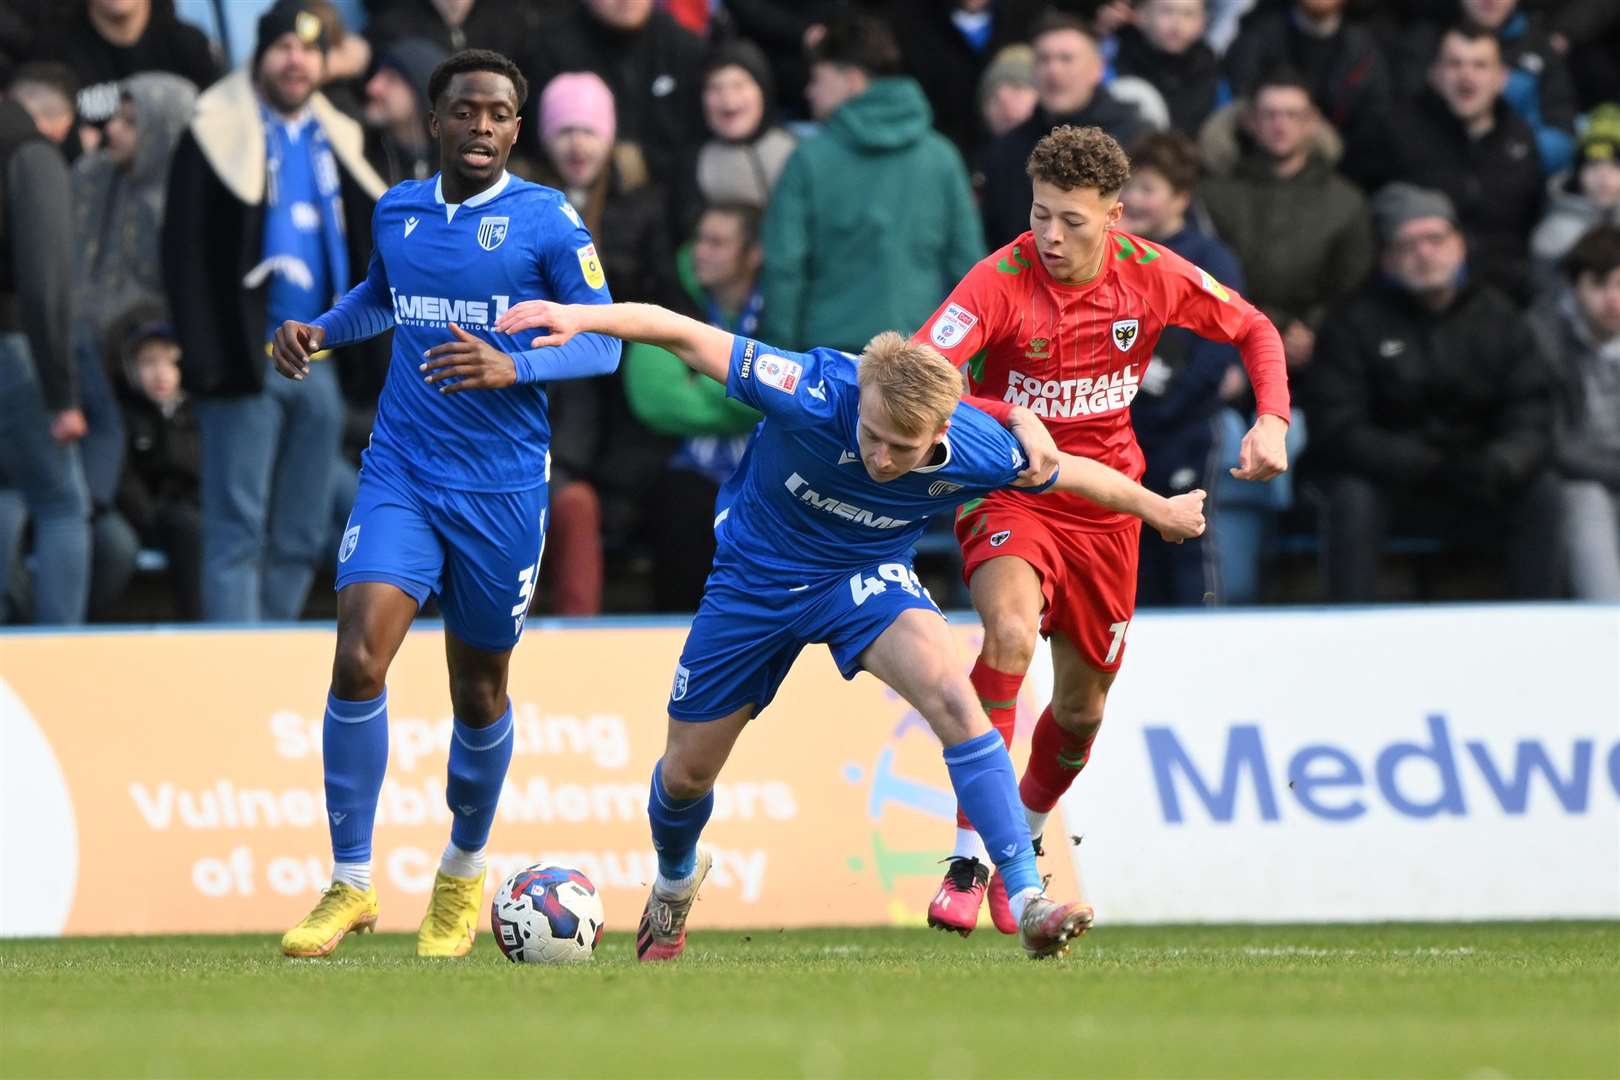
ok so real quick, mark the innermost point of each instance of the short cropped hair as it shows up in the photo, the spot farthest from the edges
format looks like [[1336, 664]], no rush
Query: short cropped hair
[[1070, 157], [747, 215], [1597, 254], [1172, 155], [468, 60], [919, 387], [863, 42], [1470, 31], [1053, 21], [1282, 77]]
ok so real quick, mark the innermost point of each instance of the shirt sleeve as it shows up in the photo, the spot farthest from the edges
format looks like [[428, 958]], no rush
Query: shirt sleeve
[[1192, 298], [989, 455], [788, 387], [572, 272], [364, 311], [974, 314]]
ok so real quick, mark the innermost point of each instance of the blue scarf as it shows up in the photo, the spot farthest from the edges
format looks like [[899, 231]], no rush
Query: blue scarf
[[305, 254]]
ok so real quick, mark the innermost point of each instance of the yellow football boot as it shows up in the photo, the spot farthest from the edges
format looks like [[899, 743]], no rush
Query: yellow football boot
[[451, 921], [343, 909]]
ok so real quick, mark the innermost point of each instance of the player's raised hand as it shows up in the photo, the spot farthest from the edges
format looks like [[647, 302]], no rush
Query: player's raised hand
[[1264, 451], [1038, 446], [1183, 517], [534, 314], [467, 363], [294, 344]]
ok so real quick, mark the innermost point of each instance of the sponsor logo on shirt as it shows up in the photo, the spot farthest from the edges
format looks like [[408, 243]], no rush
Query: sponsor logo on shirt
[[835, 506], [410, 225], [779, 373], [1039, 349], [491, 231], [571, 214], [1074, 397], [591, 266], [412, 310], [951, 326], [940, 488], [746, 368], [1124, 333]]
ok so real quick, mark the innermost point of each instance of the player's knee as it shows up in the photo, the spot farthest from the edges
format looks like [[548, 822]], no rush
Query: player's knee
[[359, 672], [478, 701], [1009, 641], [685, 777], [954, 711], [1080, 715]]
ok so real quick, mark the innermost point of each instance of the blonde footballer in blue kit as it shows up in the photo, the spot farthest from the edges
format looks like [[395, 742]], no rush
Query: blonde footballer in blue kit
[[814, 544]]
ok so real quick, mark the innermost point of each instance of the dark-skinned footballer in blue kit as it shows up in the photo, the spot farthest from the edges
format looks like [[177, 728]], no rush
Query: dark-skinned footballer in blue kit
[[814, 537], [452, 495]]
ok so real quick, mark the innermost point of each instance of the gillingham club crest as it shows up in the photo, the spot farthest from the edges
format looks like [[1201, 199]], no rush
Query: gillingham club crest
[[491, 231]]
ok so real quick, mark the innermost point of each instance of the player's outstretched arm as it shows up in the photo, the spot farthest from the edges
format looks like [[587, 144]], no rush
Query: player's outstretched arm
[[1178, 518], [703, 348]]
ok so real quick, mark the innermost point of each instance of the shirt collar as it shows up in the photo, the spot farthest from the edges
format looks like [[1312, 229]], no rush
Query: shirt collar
[[477, 200]]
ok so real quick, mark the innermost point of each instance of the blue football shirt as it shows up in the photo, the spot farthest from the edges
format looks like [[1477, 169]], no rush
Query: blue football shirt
[[802, 501], [435, 263]]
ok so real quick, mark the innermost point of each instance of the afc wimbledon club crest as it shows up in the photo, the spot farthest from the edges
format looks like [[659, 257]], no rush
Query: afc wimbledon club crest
[[491, 231], [1125, 334]]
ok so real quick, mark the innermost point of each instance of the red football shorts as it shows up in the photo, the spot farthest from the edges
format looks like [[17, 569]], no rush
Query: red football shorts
[[1088, 578]]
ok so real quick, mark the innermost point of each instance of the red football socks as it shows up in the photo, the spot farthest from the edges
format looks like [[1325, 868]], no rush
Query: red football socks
[[1056, 757]]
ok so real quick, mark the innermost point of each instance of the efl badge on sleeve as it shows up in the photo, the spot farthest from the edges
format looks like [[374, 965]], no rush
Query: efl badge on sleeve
[[952, 326], [1124, 334], [779, 373], [1214, 287], [591, 266], [491, 231]]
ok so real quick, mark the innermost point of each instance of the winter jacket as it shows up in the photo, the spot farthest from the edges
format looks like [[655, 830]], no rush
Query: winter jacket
[[213, 235], [1005, 196], [744, 172], [1540, 88], [948, 68], [1349, 80], [1453, 403], [1305, 241], [164, 463], [871, 223], [653, 73], [1190, 82], [36, 252], [1570, 216], [1494, 182], [118, 213], [1586, 404]]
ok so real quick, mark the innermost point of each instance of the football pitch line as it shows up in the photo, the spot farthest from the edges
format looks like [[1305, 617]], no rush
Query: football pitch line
[[1444, 1000]]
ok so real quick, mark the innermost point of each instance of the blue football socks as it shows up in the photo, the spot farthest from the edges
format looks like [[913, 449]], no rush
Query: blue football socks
[[676, 826], [478, 761], [354, 756], [986, 789]]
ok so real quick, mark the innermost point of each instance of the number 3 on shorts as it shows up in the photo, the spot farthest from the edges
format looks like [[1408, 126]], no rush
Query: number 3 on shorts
[[1118, 630]]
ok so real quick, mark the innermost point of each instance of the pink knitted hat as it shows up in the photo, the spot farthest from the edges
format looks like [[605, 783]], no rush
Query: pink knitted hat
[[577, 99]]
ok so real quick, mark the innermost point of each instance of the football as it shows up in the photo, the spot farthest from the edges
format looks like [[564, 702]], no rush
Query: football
[[546, 914]]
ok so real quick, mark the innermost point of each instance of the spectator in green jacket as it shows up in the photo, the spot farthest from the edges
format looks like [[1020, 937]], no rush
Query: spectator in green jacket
[[873, 219], [720, 273]]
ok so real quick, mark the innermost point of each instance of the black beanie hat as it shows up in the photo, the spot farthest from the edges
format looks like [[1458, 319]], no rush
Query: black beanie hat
[[742, 53], [288, 17]]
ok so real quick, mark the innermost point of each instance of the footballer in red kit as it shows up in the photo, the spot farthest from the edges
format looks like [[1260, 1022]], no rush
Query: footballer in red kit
[[1064, 321]]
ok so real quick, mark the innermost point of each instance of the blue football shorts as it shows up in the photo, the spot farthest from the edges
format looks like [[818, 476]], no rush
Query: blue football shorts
[[750, 628], [479, 551]]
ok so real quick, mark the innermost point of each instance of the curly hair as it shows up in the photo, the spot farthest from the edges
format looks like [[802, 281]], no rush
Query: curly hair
[[1070, 157], [468, 60]]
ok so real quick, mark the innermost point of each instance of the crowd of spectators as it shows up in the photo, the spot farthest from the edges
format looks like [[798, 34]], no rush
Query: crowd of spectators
[[1423, 196]]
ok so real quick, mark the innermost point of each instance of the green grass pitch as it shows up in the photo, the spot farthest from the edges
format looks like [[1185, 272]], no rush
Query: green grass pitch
[[1466, 1001]]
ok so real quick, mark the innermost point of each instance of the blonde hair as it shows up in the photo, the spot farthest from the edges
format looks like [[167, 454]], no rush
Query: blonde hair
[[920, 388]]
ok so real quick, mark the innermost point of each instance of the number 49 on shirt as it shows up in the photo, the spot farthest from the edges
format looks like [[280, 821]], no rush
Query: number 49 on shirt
[[861, 588]]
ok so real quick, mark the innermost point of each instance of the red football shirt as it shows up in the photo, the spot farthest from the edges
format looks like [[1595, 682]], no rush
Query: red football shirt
[[1075, 354]]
